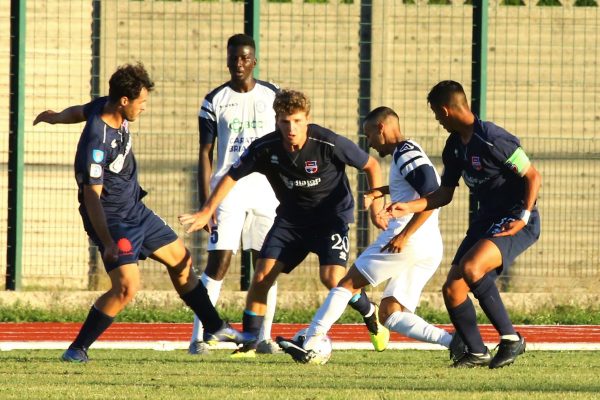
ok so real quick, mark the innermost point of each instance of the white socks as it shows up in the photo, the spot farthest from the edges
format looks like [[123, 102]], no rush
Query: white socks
[[330, 311], [213, 288], [265, 329], [415, 327]]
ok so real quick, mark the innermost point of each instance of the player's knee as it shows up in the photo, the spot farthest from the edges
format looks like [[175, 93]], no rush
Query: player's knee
[[126, 291], [217, 264], [447, 291], [330, 282], [472, 271]]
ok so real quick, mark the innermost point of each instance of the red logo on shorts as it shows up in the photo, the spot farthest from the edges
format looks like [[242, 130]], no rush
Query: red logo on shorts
[[124, 246]]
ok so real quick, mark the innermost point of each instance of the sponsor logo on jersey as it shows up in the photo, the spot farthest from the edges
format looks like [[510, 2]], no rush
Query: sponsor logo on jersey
[[311, 167], [290, 184], [125, 247], [476, 163], [117, 165], [97, 155], [95, 170], [237, 125], [239, 144]]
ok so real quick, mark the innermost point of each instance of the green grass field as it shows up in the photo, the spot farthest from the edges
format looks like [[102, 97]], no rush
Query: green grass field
[[147, 374]]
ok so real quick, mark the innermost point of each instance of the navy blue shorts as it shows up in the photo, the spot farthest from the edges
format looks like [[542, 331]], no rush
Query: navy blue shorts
[[291, 244], [510, 246], [136, 240]]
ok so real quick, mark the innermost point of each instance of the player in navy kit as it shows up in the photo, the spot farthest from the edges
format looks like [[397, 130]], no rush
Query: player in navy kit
[[234, 115], [405, 255], [305, 164], [114, 216], [505, 184]]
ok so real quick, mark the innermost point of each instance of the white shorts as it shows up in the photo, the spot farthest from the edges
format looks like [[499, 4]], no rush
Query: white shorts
[[247, 212], [408, 271]]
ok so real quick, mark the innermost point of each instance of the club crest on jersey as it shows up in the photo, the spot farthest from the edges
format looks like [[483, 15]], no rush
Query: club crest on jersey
[[476, 163], [311, 167], [274, 159], [97, 155]]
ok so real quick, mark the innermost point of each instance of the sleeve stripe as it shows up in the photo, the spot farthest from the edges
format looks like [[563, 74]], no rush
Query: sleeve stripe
[[406, 164], [206, 110]]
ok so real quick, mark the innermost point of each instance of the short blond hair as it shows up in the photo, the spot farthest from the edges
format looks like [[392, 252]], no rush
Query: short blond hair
[[288, 102]]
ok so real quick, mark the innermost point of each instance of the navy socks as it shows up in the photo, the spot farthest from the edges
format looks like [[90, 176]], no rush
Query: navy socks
[[197, 299], [95, 324]]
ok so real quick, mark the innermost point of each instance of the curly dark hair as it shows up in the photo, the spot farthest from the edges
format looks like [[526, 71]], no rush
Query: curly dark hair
[[128, 80], [288, 102]]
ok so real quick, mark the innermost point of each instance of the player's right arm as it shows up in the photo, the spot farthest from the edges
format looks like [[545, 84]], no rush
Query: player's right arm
[[95, 212], [207, 130], [199, 219], [70, 115], [375, 193], [437, 199]]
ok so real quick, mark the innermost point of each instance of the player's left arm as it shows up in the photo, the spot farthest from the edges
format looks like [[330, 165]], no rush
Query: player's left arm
[[424, 180], [199, 219], [70, 115], [519, 163], [373, 171]]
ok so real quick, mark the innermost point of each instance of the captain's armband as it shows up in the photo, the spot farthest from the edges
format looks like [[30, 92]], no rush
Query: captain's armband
[[518, 162]]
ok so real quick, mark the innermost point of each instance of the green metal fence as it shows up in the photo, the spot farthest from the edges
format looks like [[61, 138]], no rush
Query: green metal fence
[[542, 84]]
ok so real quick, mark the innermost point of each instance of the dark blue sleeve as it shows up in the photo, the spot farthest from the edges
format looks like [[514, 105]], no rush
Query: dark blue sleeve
[[349, 153], [423, 179], [246, 164], [452, 166], [93, 156], [94, 106], [504, 143], [208, 130]]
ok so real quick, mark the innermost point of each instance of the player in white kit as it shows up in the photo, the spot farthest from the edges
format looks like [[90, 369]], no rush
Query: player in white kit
[[407, 253], [234, 115]]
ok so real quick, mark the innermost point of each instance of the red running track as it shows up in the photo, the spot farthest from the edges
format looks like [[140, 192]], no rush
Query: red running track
[[143, 332]]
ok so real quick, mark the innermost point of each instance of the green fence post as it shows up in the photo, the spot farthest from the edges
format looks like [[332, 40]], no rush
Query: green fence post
[[364, 106], [478, 72], [16, 136], [251, 28], [94, 270]]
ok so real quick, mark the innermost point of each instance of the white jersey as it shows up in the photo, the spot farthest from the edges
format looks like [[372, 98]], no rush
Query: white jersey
[[407, 157], [237, 119], [412, 175]]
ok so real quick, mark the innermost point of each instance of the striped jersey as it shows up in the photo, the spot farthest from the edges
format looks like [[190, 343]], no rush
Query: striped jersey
[[235, 120], [412, 175]]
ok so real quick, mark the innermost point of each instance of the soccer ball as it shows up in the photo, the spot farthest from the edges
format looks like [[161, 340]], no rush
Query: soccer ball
[[320, 347]]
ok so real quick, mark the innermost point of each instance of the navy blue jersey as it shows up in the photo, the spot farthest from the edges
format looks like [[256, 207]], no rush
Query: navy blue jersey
[[485, 164], [104, 157], [310, 184]]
